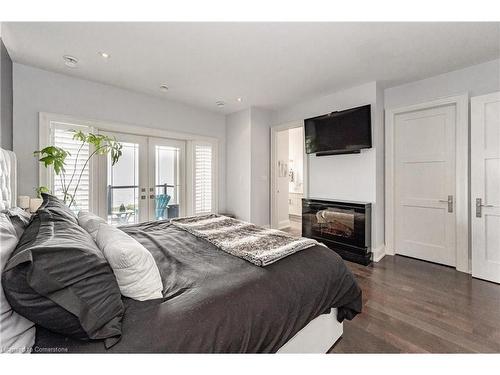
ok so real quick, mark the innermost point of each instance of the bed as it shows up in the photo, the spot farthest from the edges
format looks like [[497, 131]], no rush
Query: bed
[[214, 302]]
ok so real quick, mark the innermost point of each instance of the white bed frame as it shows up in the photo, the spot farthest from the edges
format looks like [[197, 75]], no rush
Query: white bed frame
[[316, 337]]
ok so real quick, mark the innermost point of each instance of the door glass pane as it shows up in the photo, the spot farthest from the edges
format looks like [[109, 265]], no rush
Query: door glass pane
[[167, 186], [123, 186]]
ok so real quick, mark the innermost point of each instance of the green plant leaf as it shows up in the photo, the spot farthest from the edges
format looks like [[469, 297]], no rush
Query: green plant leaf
[[41, 189], [56, 157], [79, 136], [52, 155]]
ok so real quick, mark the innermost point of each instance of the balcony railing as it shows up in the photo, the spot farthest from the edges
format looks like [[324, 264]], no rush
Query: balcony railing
[[111, 188]]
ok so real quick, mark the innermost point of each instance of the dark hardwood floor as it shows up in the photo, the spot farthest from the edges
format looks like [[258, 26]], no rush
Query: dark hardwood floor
[[412, 306], [295, 227]]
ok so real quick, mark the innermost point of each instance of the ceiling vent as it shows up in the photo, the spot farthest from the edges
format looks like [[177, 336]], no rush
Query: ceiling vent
[[70, 61]]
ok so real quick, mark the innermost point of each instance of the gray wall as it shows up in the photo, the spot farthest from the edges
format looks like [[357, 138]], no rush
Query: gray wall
[[5, 98], [36, 90]]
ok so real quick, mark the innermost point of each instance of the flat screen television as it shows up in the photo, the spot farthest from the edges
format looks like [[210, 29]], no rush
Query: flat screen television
[[341, 132]]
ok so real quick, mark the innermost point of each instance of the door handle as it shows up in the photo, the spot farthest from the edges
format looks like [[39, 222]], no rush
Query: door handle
[[449, 201], [480, 205]]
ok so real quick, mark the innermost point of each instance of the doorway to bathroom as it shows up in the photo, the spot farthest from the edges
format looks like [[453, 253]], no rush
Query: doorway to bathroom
[[288, 182]]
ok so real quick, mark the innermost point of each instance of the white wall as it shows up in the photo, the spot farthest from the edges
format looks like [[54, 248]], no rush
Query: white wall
[[37, 91], [379, 141], [238, 153], [248, 153], [345, 177], [476, 80], [282, 155], [260, 120], [337, 176]]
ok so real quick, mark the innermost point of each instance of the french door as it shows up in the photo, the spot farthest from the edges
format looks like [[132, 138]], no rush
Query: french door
[[166, 175], [147, 183]]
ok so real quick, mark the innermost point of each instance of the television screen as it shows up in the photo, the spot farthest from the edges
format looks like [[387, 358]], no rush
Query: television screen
[[339, 132]]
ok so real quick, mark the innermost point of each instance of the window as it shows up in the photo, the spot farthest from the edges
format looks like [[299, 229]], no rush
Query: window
[[203, 178], [160, 174], [62, 136]]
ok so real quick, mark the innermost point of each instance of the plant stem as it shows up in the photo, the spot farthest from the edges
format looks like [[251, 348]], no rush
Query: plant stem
[[63, 185], [76, 161], [81, 172]]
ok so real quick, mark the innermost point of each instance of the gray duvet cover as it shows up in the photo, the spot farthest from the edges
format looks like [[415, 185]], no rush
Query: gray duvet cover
[[217, 303]]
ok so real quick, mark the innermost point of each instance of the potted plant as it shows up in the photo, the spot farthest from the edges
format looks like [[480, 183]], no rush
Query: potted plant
[[56, 157], [40, 190]]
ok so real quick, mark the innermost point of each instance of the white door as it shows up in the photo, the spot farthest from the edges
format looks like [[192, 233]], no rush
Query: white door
[[123, 186], [147, 183], [424, 152], [167, 188], [485, 186]]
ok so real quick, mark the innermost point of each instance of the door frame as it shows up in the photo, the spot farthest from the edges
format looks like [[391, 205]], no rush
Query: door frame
[[461, 103], [273, 201]]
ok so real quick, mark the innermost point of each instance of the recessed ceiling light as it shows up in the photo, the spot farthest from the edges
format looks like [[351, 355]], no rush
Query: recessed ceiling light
[[163, 88], [70, 61], [104, 55], [239, 100], [220, 103]]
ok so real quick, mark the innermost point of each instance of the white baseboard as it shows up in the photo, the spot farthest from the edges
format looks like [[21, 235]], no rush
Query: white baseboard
[[378, 253], [284, 224]]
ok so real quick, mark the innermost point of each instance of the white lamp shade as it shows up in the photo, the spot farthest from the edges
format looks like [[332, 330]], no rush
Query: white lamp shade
[[35, 203], [23, 201]]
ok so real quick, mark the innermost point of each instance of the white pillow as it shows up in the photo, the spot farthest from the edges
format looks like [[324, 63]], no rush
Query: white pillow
[[17, 334], [133, 265], [90, 222]]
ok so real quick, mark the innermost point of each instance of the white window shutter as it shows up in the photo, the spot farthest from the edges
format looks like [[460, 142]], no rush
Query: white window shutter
[[63, 137], [203, 178]]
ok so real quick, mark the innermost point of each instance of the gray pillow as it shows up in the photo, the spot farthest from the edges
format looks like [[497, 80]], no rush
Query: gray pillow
[[59, 279], [19, 219]]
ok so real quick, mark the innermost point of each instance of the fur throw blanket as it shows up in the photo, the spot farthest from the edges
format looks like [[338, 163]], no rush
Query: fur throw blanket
[[258, 245]]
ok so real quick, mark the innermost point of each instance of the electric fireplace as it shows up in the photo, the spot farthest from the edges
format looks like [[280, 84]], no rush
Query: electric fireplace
[[343, 226]]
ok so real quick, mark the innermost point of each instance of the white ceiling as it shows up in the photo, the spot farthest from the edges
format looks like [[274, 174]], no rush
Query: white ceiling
[[267, 64]]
